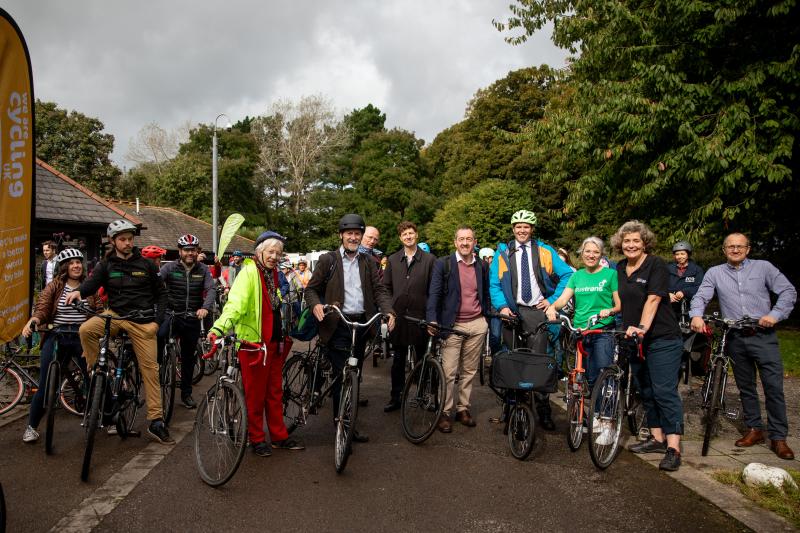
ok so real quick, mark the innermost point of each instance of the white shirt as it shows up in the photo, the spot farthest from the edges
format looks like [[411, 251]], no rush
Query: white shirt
[[48, 273], [353, 295], [537, 294]]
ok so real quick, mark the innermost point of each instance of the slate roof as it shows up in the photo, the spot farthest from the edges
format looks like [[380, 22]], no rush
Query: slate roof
[[165, 225], [61, 199]]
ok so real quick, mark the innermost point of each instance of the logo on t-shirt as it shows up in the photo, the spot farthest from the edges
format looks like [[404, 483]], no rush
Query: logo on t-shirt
[[640, 280]]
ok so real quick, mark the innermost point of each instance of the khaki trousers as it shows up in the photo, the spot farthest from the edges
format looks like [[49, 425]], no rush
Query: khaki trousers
[[143, 337], [465, 351]]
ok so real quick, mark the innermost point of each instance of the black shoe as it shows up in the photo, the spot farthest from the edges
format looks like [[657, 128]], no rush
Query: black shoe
[[358, 437], [159, 432], [651, 445], [289, 444], [393, 405], [187, 401], [363, 402], [262, 449], [547, 423], [671, 461]]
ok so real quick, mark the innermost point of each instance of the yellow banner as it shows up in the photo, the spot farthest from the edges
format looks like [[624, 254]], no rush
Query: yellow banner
[[16, 178]]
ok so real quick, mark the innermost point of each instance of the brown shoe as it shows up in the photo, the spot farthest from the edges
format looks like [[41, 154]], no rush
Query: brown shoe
[[753, 437], [465, 418], [444, 425], [781, 449]]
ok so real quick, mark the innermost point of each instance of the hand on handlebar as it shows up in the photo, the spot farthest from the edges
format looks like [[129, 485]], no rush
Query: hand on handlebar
[[767, 321], [551, 313], [27, 331], [73, 297], [432, 329], [202, 313], [633, 330], [390, 322], [319, 312], [698, 324]]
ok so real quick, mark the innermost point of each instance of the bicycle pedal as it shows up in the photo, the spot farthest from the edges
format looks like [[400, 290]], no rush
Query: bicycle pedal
[[134, 433]]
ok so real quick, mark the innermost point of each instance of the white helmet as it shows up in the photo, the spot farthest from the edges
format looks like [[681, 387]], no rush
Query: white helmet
[[119, 226], [67, 254], [302, 260], [486, 252], [285, 264]]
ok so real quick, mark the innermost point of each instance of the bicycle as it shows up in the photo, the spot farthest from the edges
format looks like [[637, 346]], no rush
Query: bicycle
[[713, 390], [168, 369], [378, 345], [114, 387], [220, 432], [306, 385], [203, 347], [424, 392]]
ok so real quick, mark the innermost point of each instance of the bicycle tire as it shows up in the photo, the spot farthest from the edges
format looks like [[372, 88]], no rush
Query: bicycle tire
[[168, 377], [92, 421], [11, 389], [372, 349], [713, 407], [611, 402], [296, 395], [575, 420], [220, 433], [129, 399], [73, 390], [521, 430], [345, 423], [51, 400], [423, 399], [198, 370], [211, 365]]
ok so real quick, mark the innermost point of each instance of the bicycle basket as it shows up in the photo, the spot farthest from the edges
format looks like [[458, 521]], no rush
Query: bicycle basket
[[524, 370], [307, 326]]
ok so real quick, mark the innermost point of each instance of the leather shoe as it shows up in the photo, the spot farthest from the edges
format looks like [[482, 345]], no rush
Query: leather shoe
[[358, 437], [393, 405], [781, 449], [465, 418], [444, 425], [753, 437]]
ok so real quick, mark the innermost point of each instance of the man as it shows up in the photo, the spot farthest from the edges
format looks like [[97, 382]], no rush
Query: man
[[131, 283], [525, 278], [303, 274], [234, 269], [190, 289], [457, 299], [407, 278], [48, 266], [743, 289], [350, 280]]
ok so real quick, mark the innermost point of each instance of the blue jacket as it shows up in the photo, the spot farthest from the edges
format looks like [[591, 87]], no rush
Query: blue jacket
[[550, 271], [444, 296], [689, 282]]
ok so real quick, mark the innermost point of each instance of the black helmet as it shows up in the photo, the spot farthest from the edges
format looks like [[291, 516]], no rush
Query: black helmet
[[351, 221], [682, 246]]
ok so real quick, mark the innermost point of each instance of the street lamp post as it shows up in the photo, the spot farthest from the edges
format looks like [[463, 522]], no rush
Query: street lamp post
[[214, 199]]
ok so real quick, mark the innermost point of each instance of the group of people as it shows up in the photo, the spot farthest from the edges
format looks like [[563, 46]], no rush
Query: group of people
[[524, 277]]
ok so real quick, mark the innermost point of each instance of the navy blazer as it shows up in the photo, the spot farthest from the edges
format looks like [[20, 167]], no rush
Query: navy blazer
[[442, 307]]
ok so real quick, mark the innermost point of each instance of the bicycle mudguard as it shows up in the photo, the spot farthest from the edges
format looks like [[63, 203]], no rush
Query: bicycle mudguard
[[524, 370]]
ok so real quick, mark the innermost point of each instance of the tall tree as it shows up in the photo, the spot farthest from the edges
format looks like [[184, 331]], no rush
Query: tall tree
[[154, 144], [76, 145]]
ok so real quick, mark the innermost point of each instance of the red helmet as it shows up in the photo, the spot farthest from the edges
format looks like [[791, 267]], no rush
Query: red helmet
[[152, 252]]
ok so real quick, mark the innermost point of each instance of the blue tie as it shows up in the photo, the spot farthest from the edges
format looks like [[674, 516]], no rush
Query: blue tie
[[525, 268]]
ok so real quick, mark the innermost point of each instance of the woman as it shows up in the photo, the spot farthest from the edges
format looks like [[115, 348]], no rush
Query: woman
[[685, 277], [646, 312], [595, 290], [51, 309], [253, 310]]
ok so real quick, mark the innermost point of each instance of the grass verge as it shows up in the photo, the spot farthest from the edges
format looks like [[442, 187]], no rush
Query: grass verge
[[789, 342], [785, 502]]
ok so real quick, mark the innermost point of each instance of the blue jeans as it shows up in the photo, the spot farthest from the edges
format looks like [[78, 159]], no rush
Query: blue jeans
[[69, 345], [600, 351], [657, 380]]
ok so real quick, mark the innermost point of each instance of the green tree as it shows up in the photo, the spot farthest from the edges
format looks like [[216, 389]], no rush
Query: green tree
[[76, 145]]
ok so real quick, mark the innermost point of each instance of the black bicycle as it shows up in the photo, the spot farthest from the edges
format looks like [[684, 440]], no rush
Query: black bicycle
[[307, 382], [114, 387], [168, 368], [715, 381]]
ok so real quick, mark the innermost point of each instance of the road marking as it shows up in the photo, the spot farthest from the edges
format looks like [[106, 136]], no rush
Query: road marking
[[105, 499]]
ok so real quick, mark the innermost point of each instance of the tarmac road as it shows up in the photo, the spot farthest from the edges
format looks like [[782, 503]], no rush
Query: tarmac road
[[465, 481]]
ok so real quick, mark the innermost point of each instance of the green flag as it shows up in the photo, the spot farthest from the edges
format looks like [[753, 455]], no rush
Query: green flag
[[229, 229]]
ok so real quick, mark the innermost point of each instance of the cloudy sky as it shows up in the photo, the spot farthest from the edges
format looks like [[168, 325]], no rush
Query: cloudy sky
[[135, 62]]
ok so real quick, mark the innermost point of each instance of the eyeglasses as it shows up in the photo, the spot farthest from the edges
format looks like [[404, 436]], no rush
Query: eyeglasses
[[733, 247]]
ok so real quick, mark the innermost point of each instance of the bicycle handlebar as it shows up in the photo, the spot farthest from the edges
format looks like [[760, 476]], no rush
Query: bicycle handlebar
[[425, 324], [729, 323], [181, 314], [331, 308], [139, 313]]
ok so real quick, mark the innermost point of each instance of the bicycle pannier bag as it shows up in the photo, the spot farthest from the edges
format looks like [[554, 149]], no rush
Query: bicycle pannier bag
[[524, 370]]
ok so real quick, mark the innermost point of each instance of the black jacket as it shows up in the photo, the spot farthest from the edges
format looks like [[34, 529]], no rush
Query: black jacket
[[689, 282], [130, 284], [188, 291], [408, 288]]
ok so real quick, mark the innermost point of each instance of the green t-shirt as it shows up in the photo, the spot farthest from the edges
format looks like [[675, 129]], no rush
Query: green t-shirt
[[593, 293]]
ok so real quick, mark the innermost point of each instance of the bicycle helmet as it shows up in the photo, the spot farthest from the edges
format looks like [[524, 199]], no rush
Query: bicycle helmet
[[682, 246], [486, 252], [351, 221], [188, 240], [237, 253], [302, 260], [424, 247], [120, 226], [153, 252], [523, 216], [67, 254], [285, 264], [270, 235]]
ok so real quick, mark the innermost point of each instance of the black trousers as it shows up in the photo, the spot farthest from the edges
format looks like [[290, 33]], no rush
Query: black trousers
[[337, 350], [187, 330], [399, 365], [530, 319]]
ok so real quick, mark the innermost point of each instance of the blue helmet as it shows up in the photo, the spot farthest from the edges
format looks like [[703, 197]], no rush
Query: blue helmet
[[270, 235], [424, 247]]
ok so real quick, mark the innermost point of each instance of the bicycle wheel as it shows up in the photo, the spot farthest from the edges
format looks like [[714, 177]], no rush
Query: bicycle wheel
[[92, 421], [74, 390], [714, 405], [423, 400], [11, 389], [220, 433], [129, 399], [636, 416], [296, 395], [51, 400], [168, 377], [345, 423], [576, 417], [211, 365], [521, 430], [198, 369], [605, 406], [483, 370]]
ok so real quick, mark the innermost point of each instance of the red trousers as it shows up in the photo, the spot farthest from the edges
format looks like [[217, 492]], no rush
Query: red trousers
[[263, 391]]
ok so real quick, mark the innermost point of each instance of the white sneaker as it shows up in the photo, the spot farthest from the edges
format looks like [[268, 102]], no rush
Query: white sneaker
[[606, 436], [30, 435], [112, 429]]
